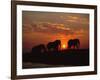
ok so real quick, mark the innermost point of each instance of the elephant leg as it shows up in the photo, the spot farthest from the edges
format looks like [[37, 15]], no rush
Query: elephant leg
[[74, 46], [69, 47], [78, 46]]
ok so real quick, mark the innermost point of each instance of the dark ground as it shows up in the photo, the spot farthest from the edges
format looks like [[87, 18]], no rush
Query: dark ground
[[72, 57]]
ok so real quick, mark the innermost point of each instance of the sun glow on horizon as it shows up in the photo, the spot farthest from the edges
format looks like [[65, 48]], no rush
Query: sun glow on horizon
[[63, 46]]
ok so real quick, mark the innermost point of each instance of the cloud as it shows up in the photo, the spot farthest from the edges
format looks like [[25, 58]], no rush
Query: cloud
[[81, 31], [73, 17], [52, 28], [27, 27], [76, 19]]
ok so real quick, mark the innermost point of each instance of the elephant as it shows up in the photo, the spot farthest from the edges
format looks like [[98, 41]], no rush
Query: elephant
[[39, 49], [38, 52], [54, 46], [75, 43]]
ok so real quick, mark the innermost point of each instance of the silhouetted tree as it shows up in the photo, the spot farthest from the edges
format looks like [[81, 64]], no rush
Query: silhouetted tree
[[75, 43], [54, 46]]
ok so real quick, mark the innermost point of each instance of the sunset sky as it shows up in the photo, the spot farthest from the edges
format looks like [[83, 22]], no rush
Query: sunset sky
[[43, 27]]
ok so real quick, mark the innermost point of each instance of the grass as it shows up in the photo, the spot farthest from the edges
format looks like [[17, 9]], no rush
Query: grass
[[67, 57]]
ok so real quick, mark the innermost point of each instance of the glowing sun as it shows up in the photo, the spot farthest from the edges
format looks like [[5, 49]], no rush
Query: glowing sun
[[63, 46]]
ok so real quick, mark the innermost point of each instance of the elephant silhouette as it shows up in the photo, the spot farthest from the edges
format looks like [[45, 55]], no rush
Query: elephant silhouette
[[75, 43], [39, 49], [37, 53], [54, 46]]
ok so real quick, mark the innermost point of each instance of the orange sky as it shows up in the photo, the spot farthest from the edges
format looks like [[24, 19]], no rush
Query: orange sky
[[44, 27]]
